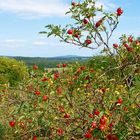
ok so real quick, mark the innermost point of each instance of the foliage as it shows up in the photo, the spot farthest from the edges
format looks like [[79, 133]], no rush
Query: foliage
[[12, 71], [81, 102], [2, 131]]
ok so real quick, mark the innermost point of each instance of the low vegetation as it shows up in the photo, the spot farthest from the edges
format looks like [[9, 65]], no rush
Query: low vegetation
[[99, 100]]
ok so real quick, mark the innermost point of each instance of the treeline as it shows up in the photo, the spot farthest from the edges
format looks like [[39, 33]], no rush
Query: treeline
[[51, 62]]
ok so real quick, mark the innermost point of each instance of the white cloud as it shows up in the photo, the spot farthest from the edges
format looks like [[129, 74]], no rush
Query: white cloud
[[14, 41], [34, 8], [107, 4], [39, 43]]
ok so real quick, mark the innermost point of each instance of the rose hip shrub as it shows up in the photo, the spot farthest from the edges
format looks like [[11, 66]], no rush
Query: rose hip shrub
[[80, 102]]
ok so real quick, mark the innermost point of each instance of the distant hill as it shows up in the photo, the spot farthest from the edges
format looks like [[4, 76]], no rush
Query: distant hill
[[51, 62], [66, 57]]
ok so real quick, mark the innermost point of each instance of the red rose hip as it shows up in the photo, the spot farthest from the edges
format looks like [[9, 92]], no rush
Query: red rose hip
[[35, 67], [96, 112], [37, 92], [93, 124], [85, 21], [102, 127], [70, 31], [67, 115], [119, 12], [115, 46], [88, 41], [45, 98], [12, 123], [98, 23], [60, 131], [88, 135]]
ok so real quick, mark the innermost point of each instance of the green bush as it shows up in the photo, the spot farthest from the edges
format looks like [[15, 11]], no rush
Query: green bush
[[12, 71]]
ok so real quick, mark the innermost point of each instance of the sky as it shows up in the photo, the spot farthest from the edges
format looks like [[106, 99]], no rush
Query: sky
[[22, 20]]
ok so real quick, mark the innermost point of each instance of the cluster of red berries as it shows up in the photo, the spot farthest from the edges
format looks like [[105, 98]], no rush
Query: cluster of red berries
[[73, 33], [127, 45], [56, 75], [80, 69], [63, 65]]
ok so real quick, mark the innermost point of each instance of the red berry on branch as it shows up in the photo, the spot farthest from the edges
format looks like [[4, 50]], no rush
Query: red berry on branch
[[102, 127], [67, 115], [73, 3], [119, 12], [130, 49], [120, 101], [44, 79], [111, 137], [76, 35], [70, 31], [88, 41], [96, 112], [130, 39], [102, 121], [64, 65], [37, 92], [82, 67], [59, 90], [126, 45], [12, 123], [35, 67], [61, 109], [56, 75], [115, 46], [45, 98], [90, 115], [98, 23], [85, 21], [60, 131], [88, 135], [104, 117], [34, 138], [93, 124]]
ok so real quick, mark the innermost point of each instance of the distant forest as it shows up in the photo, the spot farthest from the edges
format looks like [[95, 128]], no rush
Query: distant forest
[[51, 62]]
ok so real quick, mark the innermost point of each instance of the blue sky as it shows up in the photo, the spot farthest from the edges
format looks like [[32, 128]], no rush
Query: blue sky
[[21, 20]]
